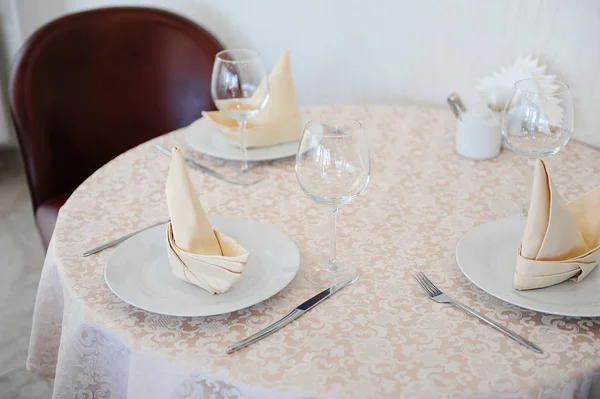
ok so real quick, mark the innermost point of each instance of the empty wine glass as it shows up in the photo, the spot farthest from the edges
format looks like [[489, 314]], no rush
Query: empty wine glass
[[240, 89], [333, 168], [538, 122]]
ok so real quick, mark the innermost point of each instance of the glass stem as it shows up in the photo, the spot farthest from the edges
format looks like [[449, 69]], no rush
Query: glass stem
[[332, 265], [244, 145], [528, 185]]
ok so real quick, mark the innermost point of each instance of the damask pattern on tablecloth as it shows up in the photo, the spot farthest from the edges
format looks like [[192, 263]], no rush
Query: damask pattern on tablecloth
[[380, 338]]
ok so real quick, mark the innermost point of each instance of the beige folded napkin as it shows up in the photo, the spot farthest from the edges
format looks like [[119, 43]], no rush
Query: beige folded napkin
[[561, 241], [279, 122], [198, 254]]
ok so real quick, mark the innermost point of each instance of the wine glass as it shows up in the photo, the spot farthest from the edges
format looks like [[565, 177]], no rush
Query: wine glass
[[537, 122], [333, 168], [240, 89]]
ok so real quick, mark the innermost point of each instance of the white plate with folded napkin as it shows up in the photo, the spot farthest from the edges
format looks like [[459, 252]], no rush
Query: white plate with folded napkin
[[546, 262], [205, 138], [487, 256], [273, 133], [139, 272]]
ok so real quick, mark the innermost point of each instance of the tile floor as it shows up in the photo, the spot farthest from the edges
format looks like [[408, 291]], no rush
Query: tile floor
[[21, 257]]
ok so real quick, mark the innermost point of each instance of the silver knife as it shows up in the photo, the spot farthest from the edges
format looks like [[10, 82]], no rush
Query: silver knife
[[121, 239], [293, 315]]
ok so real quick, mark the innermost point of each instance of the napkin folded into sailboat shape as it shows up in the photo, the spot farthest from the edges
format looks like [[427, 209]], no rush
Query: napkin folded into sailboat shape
[[561, 240], [278, 122], [199, 255]]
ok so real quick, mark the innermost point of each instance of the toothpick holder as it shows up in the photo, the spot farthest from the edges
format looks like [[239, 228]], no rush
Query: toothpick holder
[[478, 136]]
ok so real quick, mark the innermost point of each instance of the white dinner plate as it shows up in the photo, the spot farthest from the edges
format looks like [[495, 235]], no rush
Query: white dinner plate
[[487, 256], [139, 273], [203, 137]]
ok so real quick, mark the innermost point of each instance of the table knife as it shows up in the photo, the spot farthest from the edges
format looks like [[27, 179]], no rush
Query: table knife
[[293, 315]]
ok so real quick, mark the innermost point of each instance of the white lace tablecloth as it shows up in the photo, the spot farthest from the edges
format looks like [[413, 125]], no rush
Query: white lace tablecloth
[[380, 338]]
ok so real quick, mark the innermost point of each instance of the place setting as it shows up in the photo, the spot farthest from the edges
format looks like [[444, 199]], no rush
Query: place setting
[[197, 265], [544, 257], [200, 266], [258, 119], [251, 125]]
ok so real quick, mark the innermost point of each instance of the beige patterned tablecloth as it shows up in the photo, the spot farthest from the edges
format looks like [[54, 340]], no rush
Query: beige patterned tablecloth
[[381, 338]]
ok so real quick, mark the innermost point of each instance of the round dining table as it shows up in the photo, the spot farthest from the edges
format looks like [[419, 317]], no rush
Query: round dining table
[[381, 337]]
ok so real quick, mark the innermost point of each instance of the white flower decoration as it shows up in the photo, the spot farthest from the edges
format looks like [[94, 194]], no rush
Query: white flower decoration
[[498, 88]]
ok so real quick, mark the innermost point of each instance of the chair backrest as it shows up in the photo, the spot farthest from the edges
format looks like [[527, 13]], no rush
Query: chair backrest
[[91, 85]]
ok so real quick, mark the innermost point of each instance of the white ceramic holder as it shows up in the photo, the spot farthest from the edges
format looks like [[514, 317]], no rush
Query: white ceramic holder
[[478, 135]]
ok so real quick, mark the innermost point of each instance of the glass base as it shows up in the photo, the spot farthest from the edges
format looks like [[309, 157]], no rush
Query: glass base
[[322, 274], [250, 176]]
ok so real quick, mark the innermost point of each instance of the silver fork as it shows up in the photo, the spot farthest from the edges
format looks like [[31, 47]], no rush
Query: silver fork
[[438, 296], [193, 164]]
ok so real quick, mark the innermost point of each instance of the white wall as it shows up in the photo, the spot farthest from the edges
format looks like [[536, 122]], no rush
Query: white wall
[[394, 51]]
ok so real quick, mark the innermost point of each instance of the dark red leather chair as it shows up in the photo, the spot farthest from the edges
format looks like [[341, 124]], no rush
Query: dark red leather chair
[[91, 85]]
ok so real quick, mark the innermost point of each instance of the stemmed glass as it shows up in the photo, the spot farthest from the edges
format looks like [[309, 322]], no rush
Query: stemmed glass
[[538, 122], [333, 167], [240, 89]]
